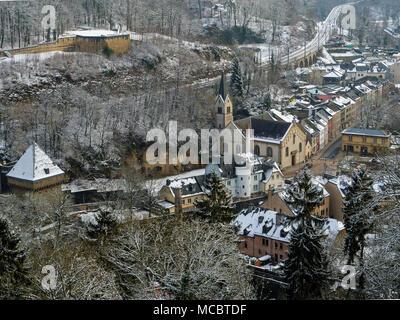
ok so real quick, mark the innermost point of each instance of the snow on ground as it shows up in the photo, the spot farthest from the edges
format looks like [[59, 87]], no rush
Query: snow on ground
[[28, 57], [326, 57]]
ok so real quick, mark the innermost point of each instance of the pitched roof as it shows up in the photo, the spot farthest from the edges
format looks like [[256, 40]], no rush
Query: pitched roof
[[270, 224], [269, 129], [34, 165], [366, 132]]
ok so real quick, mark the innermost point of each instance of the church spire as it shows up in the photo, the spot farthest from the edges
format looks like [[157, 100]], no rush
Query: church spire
[[222, 87]]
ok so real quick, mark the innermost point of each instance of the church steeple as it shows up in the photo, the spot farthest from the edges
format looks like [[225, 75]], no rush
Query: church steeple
[[224, 106], [222, 87]]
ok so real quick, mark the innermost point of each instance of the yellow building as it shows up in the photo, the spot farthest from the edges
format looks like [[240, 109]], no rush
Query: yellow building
[[183, 193], [364, 141], [283, 142]]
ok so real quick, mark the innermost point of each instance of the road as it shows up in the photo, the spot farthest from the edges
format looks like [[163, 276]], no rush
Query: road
[[333, 150], [325, 30]]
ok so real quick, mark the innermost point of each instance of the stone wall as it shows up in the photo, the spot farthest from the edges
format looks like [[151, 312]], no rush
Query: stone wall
[[119, 44]]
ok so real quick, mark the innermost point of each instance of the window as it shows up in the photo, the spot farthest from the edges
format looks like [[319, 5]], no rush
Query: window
[[364, 139], [322, 212], [229, 183], [276, 257], [375, 140], [219, 110], [229, 110], [257, 150], [294, 138], [245, 244], [269, 152], [280, 246], [255, 188], [280, 257], [287, 152], [255, 178], [183, 201], [327, 211], [383, 141], [189, 200], [276, 245], [300, 147], [350, 138], [259, 251]]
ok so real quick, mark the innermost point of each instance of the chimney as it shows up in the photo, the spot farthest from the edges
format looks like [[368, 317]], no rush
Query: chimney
[[178, 201], [270, 193]]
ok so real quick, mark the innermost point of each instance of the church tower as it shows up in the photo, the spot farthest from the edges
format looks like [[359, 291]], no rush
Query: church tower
[[223, 106]]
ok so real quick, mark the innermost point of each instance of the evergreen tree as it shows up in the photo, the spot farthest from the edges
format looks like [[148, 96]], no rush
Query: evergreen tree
[[358, 217], [266, 102], [105, 222], [12, 258], [306, 268], [236, 85], [216, 205]]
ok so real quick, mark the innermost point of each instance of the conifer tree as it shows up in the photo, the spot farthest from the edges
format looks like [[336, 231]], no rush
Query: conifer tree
[[358, 217], [216, 205], [236, 85], [12, 259], [105, 223], [306, 268]]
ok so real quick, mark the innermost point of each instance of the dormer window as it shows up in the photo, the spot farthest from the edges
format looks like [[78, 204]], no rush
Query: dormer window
[[46, 170]]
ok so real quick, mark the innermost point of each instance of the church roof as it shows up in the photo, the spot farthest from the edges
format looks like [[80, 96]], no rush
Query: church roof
[[269, 129], [223, 90], [34, 165]]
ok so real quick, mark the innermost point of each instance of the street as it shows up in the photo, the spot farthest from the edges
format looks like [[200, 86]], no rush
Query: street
[[333, 150]]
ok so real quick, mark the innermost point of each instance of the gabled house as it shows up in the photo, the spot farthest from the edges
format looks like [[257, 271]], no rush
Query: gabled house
[[278, 201], [265, 234], [182, 193]]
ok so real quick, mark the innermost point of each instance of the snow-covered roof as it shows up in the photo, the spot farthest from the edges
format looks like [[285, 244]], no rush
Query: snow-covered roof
[[34, 165], [93, 33], [342, 182], [255, 221]]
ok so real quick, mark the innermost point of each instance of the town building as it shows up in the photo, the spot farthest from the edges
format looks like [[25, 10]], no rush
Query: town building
[[364, 141], [182, 193], [266, 233], [249, 176], [278, 201]]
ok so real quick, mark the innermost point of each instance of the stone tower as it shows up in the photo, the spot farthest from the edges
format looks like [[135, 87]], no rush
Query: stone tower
[[223, 105]]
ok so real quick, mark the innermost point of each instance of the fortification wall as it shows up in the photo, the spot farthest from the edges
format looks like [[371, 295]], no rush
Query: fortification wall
[[119, 44], [62, 44]]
